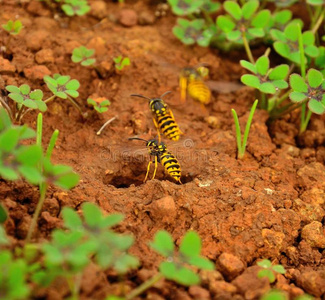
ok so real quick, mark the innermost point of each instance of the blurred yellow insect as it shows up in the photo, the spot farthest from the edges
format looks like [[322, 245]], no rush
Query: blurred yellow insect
[[191, 81]]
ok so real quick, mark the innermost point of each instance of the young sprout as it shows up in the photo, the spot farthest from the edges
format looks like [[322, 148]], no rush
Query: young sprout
[[311, 89], [13, 277], [191, 32], [268, 270], [83, 55], [3, 214], [241, 144], [13, 27], [265, 79], [287, 43], [274, 295], [185, 7], [64, 87], [24, 97], [243, 24], [99, 104], [75, 7], [121, 62]]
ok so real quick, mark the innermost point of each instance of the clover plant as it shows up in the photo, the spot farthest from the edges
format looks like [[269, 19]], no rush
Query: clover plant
[[311, 89], [101, 106], [121, 62], [268, 270], [191, 32], [13, 27], [83, 56], [243, 24], [75, 7], [287, 45]]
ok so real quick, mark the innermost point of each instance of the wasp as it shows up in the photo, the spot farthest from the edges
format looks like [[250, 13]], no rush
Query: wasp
[[191, 82], [160, 153], [163, 117]]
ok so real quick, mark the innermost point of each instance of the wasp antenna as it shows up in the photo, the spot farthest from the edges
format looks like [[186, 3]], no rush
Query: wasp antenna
[[139, 139], [140, 96], [164, 94]]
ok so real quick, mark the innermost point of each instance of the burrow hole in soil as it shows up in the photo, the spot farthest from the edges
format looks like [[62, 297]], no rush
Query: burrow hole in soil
[[122, 182]]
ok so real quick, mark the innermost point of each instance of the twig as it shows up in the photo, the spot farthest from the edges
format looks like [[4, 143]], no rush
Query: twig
[[106, 123]]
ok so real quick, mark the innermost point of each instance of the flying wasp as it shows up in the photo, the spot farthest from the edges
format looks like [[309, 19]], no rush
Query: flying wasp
[[163, 117], [191, 82], [160, 154]]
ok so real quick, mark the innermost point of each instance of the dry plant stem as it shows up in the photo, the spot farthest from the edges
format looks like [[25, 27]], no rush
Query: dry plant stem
[[36, 213], [106, 123], [144, 286], [6, 106], [247, 48], [318, 23]]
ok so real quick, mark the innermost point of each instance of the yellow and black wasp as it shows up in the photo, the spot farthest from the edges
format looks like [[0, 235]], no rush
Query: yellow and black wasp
[[163, 117], [160, 154], [191, 81]]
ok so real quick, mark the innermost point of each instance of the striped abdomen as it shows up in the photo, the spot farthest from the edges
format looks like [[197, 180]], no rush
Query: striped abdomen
[[199, 91], [171, 165], [168, 126]]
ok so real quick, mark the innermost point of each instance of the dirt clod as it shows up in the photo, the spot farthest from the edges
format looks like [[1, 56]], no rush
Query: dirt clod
[[314, 235], [313, 282], [6, 66], [44, 56], [128, 17], [198, 292], [230, 265], [36, 72]]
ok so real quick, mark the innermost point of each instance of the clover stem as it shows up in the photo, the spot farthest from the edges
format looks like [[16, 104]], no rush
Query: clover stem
[[50, 99], [318, 23], [20, 111], [283, 97], [76, 105], [264, 104], [144, 286], [247, 48], [36, 213], [304, 120], [207, 17], [291, 107], [7, 108]]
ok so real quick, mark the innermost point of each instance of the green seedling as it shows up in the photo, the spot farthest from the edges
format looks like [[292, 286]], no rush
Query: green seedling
[[191, 32], [287, 43], [75, 7], [315, 2], [83, 55], [111, 248], [121, 62], [268, 270], [176, 266], [64, 87], [265, 79], [3, 237], [25, 99], [310, 90], [99, 106], [13, 277], [13, 27], [274, 295], [243, 24], [241, 144], [185, 7]]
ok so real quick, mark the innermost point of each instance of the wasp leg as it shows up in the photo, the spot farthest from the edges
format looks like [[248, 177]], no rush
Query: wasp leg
[[156, 124], [148, 169], [183, 87], [156, 166]]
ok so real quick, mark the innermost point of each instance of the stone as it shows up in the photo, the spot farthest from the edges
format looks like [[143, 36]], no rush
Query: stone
[[313, 234], [44, 56], [146, 18], [230, 265], [128, 17], [36, 72], [98, 9], [35, 39], [98, 44], [163, 210], [313, 282], [6, 66], [198, 292]]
